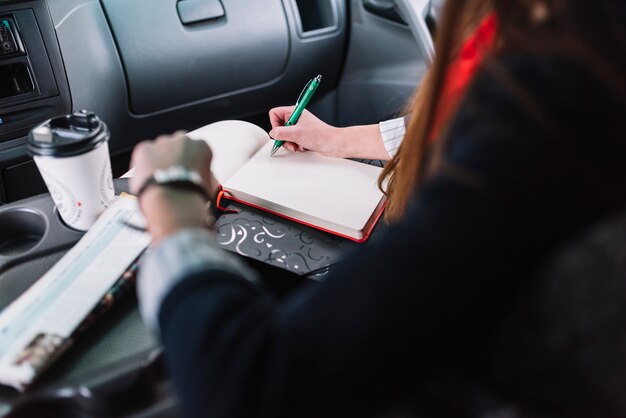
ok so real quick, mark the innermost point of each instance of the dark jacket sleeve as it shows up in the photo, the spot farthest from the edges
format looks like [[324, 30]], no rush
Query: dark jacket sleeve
[[419, 299]]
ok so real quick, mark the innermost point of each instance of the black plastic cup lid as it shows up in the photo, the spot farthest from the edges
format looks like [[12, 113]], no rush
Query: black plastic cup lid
[[67, 136]]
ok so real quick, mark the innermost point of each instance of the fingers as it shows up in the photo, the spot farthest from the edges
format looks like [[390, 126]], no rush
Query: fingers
[[213, 185], [167, 151], [137, 158], [139, 149], [290, 146], [286, 133], [280, 115]]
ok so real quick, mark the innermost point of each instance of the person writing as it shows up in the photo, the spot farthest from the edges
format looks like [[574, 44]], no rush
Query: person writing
[[532, 155], [381, 141]]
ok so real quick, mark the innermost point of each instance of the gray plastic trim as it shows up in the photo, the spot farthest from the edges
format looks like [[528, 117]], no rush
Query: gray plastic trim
[[56, 237], [383, 68], [92, 65], [168, 64], [415, 13]]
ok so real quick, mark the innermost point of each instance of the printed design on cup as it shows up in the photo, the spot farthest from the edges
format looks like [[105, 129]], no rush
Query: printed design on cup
[[107, 194], [74, 149], [66, 203]]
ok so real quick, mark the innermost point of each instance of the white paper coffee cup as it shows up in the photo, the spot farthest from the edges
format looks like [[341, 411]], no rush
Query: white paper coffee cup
[[72, 155]]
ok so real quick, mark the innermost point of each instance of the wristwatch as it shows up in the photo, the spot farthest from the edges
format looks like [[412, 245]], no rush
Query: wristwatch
[[177, 177]]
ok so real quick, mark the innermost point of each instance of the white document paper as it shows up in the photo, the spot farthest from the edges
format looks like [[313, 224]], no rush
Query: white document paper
[[233, 143], [40, 323]]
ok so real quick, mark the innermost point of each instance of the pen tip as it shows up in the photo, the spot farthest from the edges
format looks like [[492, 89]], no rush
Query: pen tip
[[274, 149]]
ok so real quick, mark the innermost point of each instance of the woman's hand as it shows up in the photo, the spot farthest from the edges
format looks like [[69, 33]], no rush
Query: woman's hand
[[166, 209], [310, 133]]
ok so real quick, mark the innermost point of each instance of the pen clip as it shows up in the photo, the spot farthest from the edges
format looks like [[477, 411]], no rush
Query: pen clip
[[303, 91]]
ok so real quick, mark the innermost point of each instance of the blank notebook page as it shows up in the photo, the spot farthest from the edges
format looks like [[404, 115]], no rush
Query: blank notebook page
[[233, 143], [333, 193]]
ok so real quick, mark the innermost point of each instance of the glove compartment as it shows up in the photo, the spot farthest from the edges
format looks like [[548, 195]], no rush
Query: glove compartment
[[224, 46]]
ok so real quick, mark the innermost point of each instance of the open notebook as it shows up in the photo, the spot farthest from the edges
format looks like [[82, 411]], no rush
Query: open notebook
[[332, 194]]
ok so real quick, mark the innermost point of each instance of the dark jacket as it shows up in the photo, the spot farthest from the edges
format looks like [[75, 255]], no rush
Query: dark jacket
[[536, 154]]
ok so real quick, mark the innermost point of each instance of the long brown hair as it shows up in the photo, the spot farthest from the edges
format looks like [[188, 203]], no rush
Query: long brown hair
[[571, 32], [406, 168]]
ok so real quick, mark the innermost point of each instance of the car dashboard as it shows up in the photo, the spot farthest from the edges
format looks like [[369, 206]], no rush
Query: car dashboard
[[149, 67]]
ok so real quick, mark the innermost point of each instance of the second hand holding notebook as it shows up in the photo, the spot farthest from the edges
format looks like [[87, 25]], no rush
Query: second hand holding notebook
[[335, 195]]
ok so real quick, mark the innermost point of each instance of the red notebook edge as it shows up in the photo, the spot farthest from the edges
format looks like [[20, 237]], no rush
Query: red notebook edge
[[367, 231]]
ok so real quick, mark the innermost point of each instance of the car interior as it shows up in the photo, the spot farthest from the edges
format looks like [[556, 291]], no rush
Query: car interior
[[148, 67]]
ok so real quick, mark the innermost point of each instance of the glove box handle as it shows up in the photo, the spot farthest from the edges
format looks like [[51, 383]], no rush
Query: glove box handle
[[194, 11]]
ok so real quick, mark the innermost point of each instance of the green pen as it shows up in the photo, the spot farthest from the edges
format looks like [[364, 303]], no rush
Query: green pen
[[303, 100]]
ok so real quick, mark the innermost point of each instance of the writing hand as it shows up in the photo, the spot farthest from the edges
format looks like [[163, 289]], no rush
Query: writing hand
[[310, 133]]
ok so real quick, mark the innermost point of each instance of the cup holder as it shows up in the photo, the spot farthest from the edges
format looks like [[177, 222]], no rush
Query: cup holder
[[20, 231]]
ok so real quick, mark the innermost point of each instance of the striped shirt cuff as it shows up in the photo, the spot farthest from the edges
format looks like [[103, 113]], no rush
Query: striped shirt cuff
[[392, 131]]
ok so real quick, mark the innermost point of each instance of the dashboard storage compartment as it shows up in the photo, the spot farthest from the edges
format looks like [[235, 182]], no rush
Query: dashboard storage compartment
[[317, 16], [26, 76], [33, 86], [15, 79], [247, 47]]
